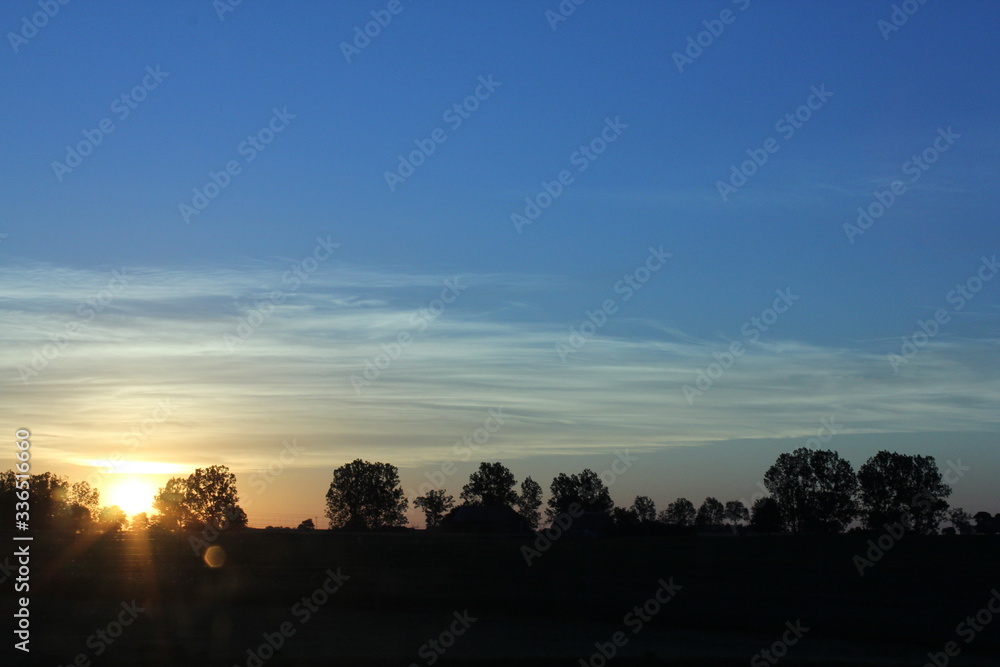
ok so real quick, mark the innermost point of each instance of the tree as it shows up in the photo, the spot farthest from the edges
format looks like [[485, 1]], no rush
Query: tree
[[307, 525], [736, 512], [171, 503], [86, 496], [765, 516], [623, 517], [435, 505], [961, 520], [528, 502], [492, 484], [113, 519], [48, 500], [899, 488], [233, 516], [365, 496], [986, 524], [710, 513], [644, 509], [141, 521], [681, 512], [210, 496], [815, 490], [585, 490]]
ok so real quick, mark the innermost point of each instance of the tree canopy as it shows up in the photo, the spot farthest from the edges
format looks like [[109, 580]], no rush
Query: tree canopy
[[902, 488], [435, 504], [585, 490], [528, 502], [492, 484], [365, 496], [815, 489]]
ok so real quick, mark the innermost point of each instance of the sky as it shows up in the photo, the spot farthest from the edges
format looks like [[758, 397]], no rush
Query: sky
[[686, 237]]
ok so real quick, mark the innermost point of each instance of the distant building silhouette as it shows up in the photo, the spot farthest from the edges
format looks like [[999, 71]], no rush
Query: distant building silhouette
[[484, 519]]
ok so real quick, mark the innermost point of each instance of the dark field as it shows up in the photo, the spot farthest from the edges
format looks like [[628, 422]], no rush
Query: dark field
[[403, 589]]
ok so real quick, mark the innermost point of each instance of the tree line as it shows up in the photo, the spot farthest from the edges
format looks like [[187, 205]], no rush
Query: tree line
[[808, 491]]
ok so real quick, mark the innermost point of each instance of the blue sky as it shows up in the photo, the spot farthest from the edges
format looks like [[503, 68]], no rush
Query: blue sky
[[609, 67]]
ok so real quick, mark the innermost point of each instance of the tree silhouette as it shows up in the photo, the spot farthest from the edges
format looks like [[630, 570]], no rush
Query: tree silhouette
[[624, 517], [711, 513], [961, 520], [307, 525], [141, 521], [815, 490], [528, 502], [49, 507], [85, 497], [171, 503], [492, 484], [113, 519], [681, 512], [765, 516], [899, 488], [435, 505], [986, 523], [211, 498], [365, 496], [736, 512], [586, 490], [644, 509]]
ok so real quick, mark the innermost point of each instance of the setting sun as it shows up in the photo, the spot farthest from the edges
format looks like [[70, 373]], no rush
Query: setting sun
[[133, 495]]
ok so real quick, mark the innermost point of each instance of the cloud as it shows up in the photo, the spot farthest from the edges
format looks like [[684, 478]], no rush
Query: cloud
[[164, 337]]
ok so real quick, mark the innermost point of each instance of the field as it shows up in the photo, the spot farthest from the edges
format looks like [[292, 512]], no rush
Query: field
[[395, 592]]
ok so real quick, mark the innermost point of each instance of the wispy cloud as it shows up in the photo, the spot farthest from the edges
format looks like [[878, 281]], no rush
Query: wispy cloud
[[163, 337]]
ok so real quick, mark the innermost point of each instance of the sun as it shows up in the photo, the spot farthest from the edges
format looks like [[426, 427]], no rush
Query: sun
[[133, 495]]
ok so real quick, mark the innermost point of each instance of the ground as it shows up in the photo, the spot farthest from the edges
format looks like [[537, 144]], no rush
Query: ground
[[395, 592]]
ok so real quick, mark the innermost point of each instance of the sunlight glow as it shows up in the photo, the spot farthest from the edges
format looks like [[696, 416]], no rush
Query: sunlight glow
[[134, 467], [133, 495]]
